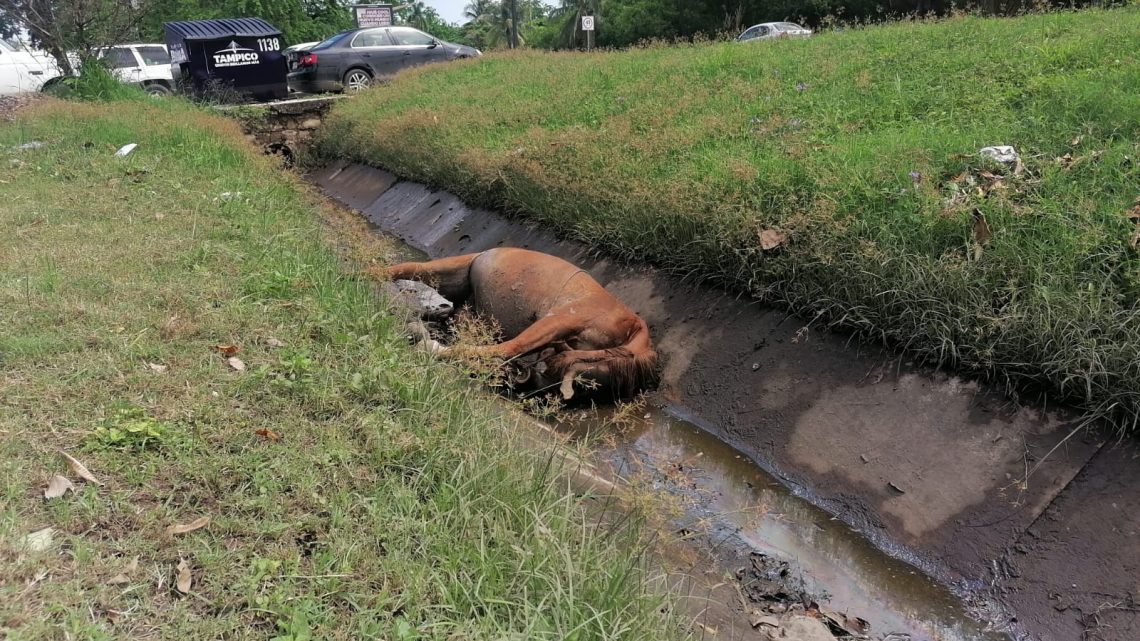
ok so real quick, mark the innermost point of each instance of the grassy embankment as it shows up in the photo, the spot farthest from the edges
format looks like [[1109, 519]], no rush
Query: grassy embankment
[[354, 488], [857, 151]]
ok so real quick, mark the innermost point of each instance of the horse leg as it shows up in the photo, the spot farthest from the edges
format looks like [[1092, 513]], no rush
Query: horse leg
[[542, 333], [451, 277]]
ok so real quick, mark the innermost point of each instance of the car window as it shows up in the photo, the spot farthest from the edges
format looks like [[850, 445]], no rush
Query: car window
[[154, 55], [789, 25], [749, 33], [374, 38], [762, 31], [408, 37], [119, 58], [328, 42]]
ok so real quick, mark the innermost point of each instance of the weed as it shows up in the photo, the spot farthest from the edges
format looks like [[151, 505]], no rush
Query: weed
[[130, 428]]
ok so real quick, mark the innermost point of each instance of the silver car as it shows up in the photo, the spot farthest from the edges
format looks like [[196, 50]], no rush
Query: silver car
[[767, 30]]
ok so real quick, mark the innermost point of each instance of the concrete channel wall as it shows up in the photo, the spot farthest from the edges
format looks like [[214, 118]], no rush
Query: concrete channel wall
[[1009, 503]]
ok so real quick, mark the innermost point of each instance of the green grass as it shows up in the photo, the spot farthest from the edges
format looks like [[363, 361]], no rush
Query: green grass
[[356, 489], [853, 146]]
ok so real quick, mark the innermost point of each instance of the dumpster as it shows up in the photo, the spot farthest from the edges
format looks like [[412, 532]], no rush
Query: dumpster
[[238, 54]]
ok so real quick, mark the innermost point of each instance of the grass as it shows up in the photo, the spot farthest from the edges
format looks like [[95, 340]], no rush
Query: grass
[[838, 177], [354, 488]]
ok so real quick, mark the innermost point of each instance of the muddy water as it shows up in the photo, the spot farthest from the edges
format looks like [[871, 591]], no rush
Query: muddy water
[[724, 493]]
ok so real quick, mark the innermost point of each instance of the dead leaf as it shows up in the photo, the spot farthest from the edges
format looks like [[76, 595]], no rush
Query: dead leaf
[[896, 488], [236, 363], [771, 239], [227, 350], [273, 342], [158, 368], [982, 233], [122, 577], [269, 434], [58, 486], [80, 469], [39, 540], [184, 579], [189, 527], [1076, 141]]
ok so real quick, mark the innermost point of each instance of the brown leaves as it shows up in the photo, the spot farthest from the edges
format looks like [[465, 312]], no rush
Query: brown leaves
[[124, 576], [58, 486], [771, 239], [268, 434], [273, 342], [1134, 217], [80, 469], [196, 524], [184, 578], [227, 350], [981, 232], [236, 363], [158, 368]]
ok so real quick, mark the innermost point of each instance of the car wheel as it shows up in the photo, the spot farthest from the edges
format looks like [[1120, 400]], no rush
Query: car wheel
[[357, 80], [157, 89]]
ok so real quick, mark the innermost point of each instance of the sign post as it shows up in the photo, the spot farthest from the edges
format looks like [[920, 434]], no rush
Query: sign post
[[372, 15], [588, 27]]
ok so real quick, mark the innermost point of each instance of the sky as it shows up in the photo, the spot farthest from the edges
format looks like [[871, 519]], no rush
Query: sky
[[449, 10]]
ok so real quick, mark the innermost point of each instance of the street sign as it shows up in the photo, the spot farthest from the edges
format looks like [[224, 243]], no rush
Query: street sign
[[372, 15], [587, 23]]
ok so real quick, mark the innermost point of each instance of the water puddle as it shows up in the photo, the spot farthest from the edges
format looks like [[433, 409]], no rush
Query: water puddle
[[723, 491]]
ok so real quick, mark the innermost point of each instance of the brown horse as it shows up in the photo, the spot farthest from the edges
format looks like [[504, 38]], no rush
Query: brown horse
[[551, 308]]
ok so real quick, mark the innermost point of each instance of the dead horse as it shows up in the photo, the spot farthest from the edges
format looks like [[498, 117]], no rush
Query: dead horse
[[549, 307]]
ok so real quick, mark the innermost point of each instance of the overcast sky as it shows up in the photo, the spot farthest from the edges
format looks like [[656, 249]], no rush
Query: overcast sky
[[449, 10]]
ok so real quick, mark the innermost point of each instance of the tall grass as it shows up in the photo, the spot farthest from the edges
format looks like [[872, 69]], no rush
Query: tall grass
[[859, 148], [356, 489]]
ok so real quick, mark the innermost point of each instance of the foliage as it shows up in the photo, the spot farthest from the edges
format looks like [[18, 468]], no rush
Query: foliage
[[299, 20], [94, 82], [66, 28], [858, 151], [130, 428]]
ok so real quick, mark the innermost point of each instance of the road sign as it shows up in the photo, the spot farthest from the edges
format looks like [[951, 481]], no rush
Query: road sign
[[372, 15], [587, 23]]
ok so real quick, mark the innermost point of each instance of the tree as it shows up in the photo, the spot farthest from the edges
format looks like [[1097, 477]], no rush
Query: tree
[[79, 27]]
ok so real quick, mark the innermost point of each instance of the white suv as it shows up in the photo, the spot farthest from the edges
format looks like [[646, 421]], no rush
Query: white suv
[[144, 64], [22, 70]]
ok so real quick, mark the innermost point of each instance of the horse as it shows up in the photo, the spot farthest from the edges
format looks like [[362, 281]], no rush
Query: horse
[[550, 308]]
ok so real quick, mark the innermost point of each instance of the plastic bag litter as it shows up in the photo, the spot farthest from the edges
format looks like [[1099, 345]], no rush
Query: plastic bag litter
[[126, 149]]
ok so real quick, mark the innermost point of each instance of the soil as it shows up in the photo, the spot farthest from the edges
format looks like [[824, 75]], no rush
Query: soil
[[941, 472]]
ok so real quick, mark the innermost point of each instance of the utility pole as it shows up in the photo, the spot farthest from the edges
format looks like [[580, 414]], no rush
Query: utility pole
[[514, 34]]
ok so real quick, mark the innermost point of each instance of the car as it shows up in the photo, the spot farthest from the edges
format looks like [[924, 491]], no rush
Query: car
[[292, 53], [23, 70], [351, 60], [766, 30], [144, 64]]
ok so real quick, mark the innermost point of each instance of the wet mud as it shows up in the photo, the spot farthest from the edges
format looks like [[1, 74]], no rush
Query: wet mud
[[940, 473]]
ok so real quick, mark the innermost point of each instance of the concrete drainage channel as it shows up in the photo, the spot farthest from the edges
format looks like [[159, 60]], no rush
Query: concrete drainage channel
[[1007, 512]]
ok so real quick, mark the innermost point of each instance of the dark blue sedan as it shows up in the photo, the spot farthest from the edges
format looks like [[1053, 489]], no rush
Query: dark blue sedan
[[353, 59]]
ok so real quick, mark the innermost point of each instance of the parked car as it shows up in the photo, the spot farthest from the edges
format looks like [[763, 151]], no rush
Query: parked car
[[293, 53], [766, 30], [23, 70], [352, 59], [144, 64], [147, 65]]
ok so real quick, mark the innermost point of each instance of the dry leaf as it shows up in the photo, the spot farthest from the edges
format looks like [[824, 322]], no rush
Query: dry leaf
[[236, 363], [123, 577], [982, 232], [189, 527], [269, 434], [57, 487], [39, 540], [771, 239], [1076, 141], [227, 350], [184, 578], [273, 342], [80, 469], [157, 368]]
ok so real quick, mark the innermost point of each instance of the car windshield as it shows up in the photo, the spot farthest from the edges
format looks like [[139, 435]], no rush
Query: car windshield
[[331, 41]]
